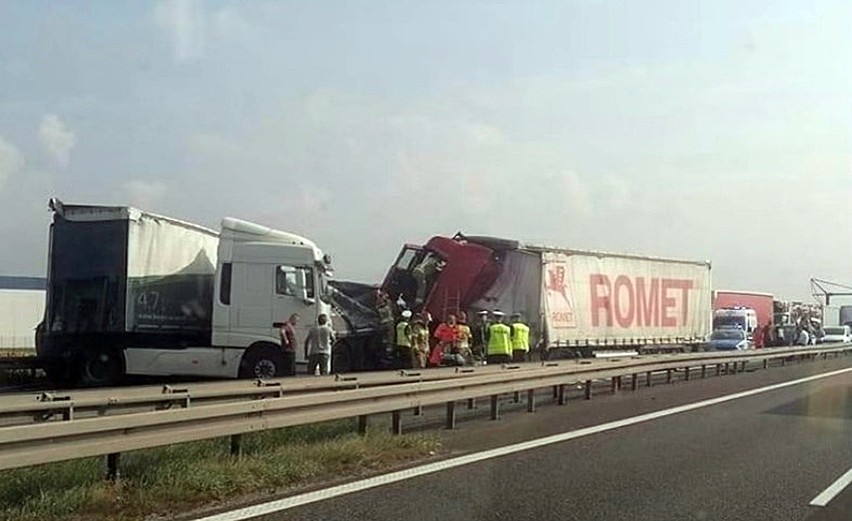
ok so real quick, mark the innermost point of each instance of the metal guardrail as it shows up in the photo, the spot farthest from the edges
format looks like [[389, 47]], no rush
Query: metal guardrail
[[59, 405], [44, 442]]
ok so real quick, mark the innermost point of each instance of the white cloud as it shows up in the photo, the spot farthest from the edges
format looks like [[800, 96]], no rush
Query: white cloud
[[11, 161], [184, 22], [56, 139]]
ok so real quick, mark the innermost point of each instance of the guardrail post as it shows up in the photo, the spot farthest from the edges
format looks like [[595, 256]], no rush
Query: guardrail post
[[561, 397], [718, 369], [555, 392], [451, 415], [649, 380], [362, 424], [703, 370], [783, 361], [418, 410], [530, 400], [634, 381], [668, 376], [471, 403], [495, 407], [765, 363], [112, 466], [396, 422], [686, 373], [614, 384], [587, 393], [236, 445], [727, 368], [744, 366], [517, 397]]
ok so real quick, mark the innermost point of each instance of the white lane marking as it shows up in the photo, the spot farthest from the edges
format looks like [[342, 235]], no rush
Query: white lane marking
[[430, 468], [835, 488]]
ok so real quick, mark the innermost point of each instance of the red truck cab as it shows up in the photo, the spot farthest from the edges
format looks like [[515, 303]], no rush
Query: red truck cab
[[444, 276]]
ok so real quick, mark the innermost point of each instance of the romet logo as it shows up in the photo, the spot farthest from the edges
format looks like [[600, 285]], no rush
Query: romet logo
[[639, 302]]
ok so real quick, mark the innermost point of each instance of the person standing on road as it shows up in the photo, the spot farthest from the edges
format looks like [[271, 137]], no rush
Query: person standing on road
[[768, 335], [520, 333], [499, 349], [318, 345], [403, 340], [420, 341], [287, 332], [465, 335], [804, 337], [480, 334], [384, 308]]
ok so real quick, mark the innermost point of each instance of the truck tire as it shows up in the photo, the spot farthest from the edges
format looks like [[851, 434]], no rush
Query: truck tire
[[262, 361], [100, 367]]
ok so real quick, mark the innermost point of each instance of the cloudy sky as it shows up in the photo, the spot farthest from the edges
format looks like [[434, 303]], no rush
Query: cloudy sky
[[716, 130]]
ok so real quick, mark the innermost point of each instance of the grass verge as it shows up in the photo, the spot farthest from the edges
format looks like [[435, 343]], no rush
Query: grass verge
[[166, 481]]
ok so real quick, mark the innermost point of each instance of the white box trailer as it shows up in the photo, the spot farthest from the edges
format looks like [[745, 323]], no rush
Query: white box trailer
[[623, 299], [122, 270], [577, 298]]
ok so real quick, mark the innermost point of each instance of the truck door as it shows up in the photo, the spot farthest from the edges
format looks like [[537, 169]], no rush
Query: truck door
[[295, 292], [399, 280]]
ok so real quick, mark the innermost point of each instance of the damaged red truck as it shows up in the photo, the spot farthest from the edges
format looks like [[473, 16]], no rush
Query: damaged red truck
[[576, 302]]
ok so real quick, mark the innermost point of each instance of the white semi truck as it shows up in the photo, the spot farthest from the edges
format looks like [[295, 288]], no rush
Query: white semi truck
[[131, 292]]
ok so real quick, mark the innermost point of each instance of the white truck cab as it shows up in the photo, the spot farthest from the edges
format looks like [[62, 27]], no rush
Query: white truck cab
[[743, 318], [263, 277]]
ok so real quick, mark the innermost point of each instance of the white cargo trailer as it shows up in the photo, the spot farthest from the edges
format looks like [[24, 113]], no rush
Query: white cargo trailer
[[130, 292], [579, 298]]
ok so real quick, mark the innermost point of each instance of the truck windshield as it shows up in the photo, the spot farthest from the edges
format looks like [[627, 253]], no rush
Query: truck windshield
[[406, 258], [721, 322], [413, 275], [728, 334]]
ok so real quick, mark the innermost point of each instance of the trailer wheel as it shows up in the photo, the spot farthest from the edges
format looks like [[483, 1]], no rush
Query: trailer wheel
[[100, 367], [262, 361]]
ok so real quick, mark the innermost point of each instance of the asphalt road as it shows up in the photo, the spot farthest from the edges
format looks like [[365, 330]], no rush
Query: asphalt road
[[764, 456]]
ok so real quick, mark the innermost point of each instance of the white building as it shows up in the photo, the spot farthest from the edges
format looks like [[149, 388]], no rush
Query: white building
[[21, 310]]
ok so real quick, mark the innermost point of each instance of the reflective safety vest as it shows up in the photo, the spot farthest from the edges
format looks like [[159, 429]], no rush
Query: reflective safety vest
[[403, 334], [520, 337], [499, 339]]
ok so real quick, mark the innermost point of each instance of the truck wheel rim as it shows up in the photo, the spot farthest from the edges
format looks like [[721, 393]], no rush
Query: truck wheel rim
[[264, 369]]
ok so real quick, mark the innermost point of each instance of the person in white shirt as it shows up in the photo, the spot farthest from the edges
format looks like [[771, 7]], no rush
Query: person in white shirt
[[318, 345]]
